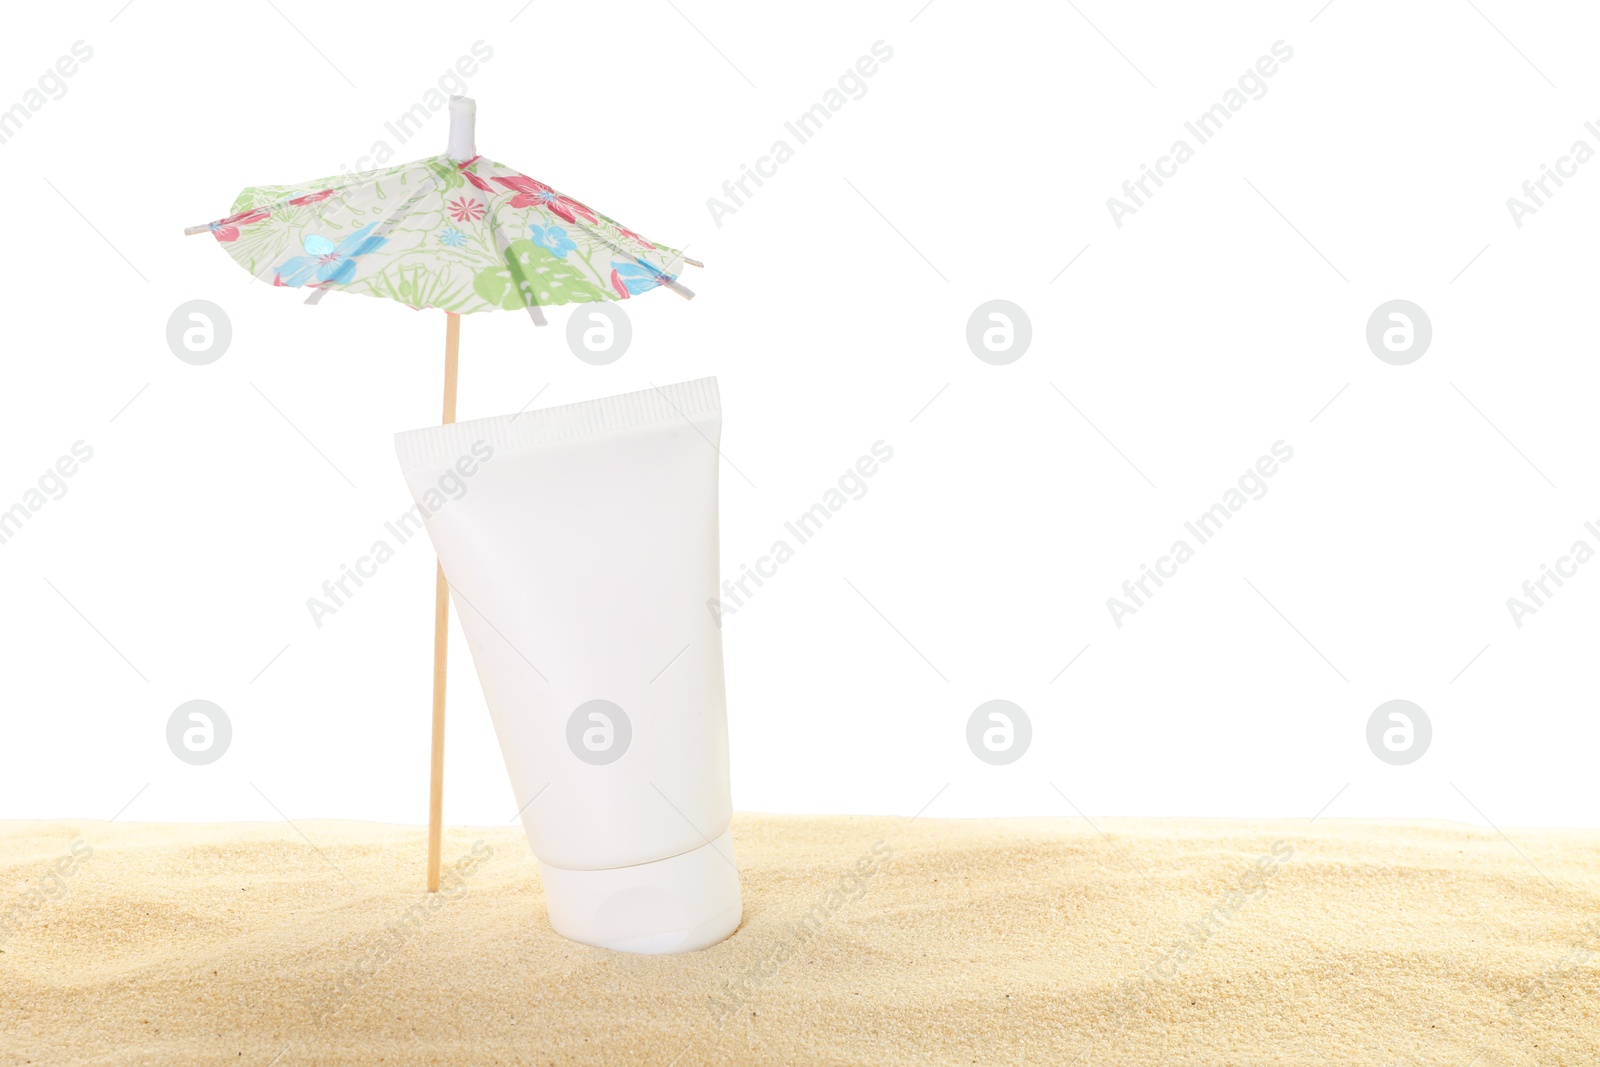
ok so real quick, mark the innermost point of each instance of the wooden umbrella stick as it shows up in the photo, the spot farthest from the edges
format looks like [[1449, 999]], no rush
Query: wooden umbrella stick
[[441, 633]]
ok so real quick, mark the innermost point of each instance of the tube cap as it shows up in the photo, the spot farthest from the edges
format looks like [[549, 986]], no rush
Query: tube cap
[[688, 902]]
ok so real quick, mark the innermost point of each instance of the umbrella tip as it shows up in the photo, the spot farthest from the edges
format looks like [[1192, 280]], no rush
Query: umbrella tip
[[463, 123]]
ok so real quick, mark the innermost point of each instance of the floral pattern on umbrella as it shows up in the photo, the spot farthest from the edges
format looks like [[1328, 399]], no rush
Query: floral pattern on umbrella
[[464, 236]]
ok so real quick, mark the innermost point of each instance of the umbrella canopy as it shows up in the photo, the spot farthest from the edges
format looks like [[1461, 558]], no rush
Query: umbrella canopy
[[461, 235]]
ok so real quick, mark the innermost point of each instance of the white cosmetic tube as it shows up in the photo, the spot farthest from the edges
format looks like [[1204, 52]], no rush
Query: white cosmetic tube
[[580, 545]]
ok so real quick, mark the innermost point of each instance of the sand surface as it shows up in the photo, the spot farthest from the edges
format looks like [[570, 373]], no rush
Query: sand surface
[[865, 940]]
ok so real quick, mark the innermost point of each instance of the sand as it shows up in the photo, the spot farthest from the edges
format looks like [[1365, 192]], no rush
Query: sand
[[865, 940]]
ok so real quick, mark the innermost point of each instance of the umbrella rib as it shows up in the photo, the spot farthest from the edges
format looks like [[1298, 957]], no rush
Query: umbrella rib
[[360, 179], [668, 279], [667, 261], [503, 243], [384, 228], [322, 218]]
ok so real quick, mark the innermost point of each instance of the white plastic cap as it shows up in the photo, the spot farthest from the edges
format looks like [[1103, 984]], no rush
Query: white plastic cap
[[463, 132], [680, 904]]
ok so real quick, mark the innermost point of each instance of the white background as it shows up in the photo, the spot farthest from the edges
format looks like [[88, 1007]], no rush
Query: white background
[[1222, 317]]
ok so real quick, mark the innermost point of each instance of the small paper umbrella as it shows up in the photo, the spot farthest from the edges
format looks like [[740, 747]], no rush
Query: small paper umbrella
[[455, 232]]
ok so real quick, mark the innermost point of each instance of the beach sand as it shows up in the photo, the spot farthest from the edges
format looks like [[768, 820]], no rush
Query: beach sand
[[865, 940]]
